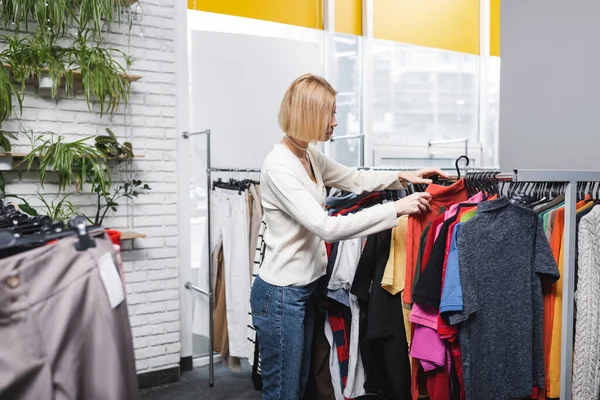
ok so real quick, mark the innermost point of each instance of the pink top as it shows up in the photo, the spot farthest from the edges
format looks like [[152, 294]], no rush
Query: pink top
[[478, 198], [426, 346]]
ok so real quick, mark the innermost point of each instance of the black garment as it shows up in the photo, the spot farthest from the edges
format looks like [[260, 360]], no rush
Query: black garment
[[319, 386], [382, 337]]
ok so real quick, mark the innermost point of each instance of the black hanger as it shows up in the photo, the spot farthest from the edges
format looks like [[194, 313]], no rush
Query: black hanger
[[464, 157], [53, 231], [85, 241]]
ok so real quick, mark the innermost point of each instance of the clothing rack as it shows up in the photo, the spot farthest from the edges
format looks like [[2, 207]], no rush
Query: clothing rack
[[188, 285], [569, 177]]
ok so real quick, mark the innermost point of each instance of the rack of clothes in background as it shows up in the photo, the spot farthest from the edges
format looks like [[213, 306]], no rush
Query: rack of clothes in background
[[234, 215], [233, 220], [64, 316], [472, 300]]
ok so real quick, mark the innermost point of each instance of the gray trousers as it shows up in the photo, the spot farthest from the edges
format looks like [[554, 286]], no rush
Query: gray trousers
[[60, 337]]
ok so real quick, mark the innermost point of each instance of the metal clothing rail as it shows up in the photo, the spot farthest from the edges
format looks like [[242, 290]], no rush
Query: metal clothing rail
[[189, 285]]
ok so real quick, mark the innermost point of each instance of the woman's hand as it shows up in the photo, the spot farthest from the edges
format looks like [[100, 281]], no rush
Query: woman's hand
[[420, 176], [416, 203]]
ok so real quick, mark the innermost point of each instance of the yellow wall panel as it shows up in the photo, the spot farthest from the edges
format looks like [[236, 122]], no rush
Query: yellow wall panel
[[444, 24], [495, 28], [307, 13], [348, 16]]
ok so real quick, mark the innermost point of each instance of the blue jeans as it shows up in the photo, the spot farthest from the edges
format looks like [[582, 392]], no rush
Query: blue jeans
[[284, 322]]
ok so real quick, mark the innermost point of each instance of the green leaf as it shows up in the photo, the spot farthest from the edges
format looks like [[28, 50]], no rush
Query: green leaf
[[28, 209], [111, 134], [10, 135]]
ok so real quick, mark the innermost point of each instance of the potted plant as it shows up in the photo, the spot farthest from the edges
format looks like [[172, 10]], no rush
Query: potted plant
[[7, 90], [6, 159], [57, 16], [75, 161], [38, 56], [111, 148], [102, 77]]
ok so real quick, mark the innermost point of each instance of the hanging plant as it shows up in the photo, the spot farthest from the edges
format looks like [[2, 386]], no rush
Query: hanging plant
[[110, 147], [58, 15], [37, 56], [102, 77], [73, 161], [5, 143], [7, 90]]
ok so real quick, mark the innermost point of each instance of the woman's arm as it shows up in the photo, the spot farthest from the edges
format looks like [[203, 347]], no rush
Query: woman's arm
[[293, 198], [357, 181]]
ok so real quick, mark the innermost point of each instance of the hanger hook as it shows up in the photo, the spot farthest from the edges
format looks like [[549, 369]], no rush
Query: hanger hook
[[457, 161]]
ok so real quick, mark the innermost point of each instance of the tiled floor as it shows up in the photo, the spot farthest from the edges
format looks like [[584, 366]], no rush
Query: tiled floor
[[194, 386]]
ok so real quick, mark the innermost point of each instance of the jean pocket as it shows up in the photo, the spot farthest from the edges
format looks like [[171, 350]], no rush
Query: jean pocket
[[260, 297]]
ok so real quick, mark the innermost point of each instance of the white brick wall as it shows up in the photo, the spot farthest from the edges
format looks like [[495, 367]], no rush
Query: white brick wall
[[151, 264]]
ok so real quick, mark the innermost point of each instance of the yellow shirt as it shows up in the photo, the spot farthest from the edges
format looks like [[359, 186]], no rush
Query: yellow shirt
[[395, 269]]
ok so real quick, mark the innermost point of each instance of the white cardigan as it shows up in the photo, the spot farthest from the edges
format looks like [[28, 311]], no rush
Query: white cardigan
[[586, 359], [296, 220]]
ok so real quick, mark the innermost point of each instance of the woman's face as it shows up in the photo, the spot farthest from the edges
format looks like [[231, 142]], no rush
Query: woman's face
[[330, 127]]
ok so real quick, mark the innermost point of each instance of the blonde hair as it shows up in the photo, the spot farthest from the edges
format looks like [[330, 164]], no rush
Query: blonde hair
[[306, 108]]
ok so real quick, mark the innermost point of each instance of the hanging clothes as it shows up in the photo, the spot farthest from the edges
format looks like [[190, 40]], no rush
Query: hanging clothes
[[488, 281], [64, 336], [230, 221], [395, 270], [427, 296], [586, 360], [253, 353], [382, 334], [549, 291], [355, 386], [220, 332], [557, 243], [441, 195], [255, 219]]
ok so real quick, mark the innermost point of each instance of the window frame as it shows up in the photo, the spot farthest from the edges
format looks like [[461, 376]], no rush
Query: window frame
[[371, 145]]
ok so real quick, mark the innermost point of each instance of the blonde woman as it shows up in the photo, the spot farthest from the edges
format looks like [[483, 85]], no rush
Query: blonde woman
[[293, 181]]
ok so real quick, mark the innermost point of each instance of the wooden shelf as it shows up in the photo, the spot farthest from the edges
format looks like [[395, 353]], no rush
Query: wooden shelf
[[77, 74], [132, 235], [23, 155]]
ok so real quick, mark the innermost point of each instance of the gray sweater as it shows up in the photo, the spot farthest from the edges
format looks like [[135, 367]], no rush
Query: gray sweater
[[586, 363], [503, 254]]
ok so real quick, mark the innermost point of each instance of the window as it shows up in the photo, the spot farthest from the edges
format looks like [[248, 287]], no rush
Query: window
[[430, 95], [346, 79]]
